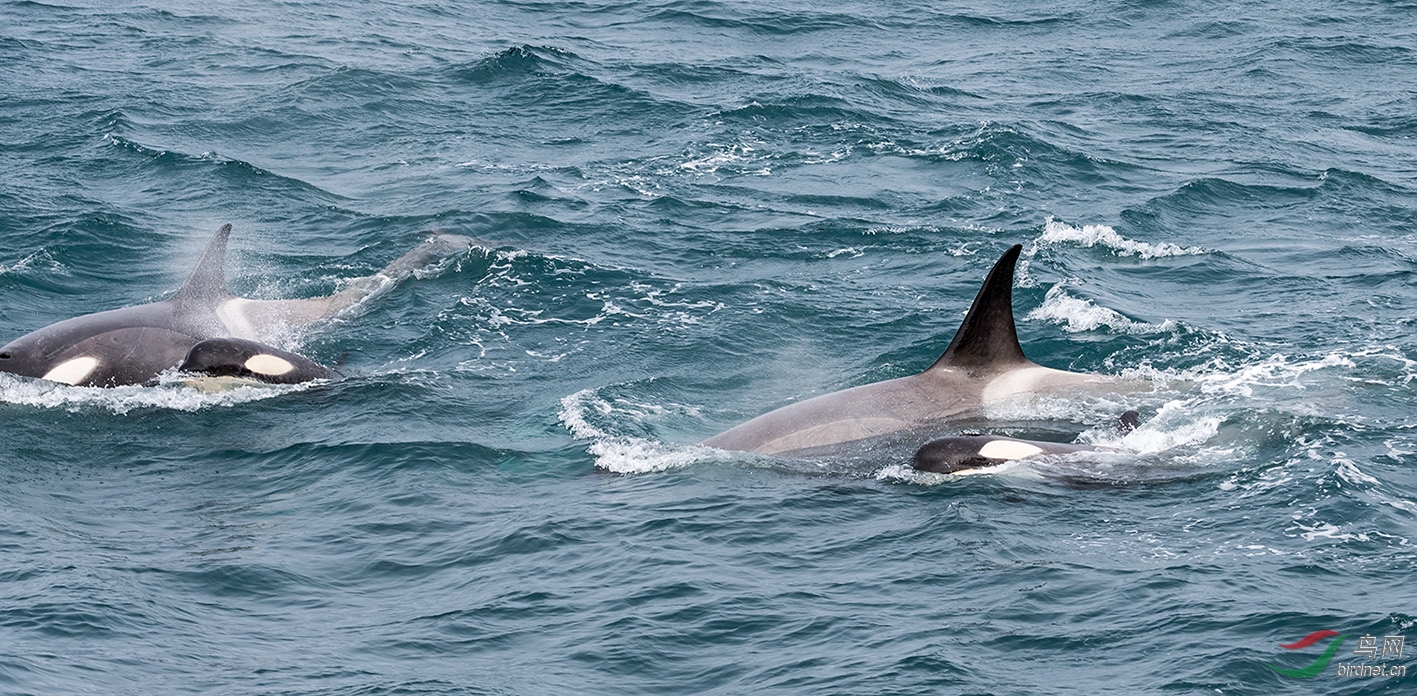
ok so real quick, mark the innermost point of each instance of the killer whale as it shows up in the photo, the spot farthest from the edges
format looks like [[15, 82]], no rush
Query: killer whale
[[972, 451], [243, 359], [132, 345], [983, 364], [964, 453]]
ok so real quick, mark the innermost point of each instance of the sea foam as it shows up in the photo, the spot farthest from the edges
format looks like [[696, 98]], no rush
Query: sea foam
[[1055, 233]]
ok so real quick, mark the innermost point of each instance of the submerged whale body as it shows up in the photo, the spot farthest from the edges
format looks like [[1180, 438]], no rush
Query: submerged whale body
[[133, 345], [984, 364]]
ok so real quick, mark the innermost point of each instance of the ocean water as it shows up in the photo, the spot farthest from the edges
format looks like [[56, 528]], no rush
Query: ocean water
[[692, 212]]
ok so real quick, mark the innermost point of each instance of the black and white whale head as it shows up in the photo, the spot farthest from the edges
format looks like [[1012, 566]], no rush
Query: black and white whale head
[[95, 353], [973, 451], [949, 455], [237, 357]]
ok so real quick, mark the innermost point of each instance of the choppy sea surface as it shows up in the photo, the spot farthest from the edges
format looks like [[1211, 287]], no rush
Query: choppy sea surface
[[692, 212]]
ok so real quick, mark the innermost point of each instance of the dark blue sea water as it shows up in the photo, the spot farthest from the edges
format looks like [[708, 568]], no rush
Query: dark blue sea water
[[695, 211]]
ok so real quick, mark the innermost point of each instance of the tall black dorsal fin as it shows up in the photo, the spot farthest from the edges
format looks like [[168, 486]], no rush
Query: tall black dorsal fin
[[987, 339], [208, 279]]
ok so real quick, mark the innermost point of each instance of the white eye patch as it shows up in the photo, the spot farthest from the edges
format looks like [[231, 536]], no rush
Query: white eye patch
[[72, 371], [1008, 449], [270, 365]]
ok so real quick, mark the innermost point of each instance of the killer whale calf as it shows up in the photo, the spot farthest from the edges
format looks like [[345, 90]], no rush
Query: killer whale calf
[[248, 360], [971, 452], [132, 345], [984, 364]]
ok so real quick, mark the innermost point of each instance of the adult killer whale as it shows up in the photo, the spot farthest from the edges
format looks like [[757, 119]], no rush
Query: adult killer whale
[[133, 344], [984, 364]]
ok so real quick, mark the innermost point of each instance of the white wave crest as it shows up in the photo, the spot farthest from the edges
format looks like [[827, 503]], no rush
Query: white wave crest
[[1055, 232], [625, 454], [1178, 423], [38, 259], [1277, 372], [633, 455], [1079, 315], [740, 158]]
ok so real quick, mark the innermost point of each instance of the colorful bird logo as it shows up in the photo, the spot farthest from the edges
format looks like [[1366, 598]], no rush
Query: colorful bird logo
[[1319, 664]]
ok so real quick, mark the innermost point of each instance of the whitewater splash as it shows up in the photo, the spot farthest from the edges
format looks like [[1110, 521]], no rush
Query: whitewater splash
[[1055, 233], [171, 393], [626, 454], [1077, 315]]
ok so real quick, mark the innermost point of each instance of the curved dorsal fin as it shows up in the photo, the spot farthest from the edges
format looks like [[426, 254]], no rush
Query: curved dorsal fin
[[208, 279], [987, 340]]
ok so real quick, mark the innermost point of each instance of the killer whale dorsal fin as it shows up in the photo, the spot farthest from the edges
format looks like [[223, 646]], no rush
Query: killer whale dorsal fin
[[208, 278], [987, 340]]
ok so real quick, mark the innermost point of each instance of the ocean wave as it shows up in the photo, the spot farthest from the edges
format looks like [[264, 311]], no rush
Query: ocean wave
[[1079, 315], [759, 20], [582, 414], [40, 260], [235, 172], [559, 84], [522, 289], [1059, 233], [1277, 372], [744, 159], [515, 61]]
